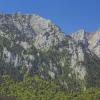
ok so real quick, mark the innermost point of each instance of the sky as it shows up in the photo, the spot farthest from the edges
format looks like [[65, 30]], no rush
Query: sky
[[69, 15]]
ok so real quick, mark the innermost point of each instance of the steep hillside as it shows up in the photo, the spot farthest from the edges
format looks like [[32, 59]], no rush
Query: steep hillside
[[31, 44]]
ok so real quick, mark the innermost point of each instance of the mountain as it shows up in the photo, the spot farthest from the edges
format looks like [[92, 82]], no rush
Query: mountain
[[31, 44]]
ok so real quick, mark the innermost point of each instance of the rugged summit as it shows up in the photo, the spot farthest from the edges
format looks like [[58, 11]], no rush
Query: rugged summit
[[34, 45], [89, 40]]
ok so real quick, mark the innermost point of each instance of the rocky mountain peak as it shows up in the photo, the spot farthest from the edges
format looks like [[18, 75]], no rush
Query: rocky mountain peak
[[31, 26], [90, 40], [80, 37]]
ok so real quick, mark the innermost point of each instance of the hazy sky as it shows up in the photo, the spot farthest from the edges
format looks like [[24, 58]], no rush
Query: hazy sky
[[70, 15]]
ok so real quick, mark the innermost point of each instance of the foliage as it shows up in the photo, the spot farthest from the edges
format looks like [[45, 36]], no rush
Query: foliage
[[35, 88]]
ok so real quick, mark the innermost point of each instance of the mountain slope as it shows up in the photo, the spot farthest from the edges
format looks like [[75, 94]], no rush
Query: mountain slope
[[31, 44]]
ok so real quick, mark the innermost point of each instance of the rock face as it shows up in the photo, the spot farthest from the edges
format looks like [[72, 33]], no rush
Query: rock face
[[94, 42], [80, 37], [34, 45], [89, 40]]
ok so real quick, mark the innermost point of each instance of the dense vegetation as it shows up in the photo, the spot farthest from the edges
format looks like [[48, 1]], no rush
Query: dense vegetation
[[34, 88]]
